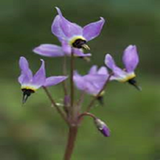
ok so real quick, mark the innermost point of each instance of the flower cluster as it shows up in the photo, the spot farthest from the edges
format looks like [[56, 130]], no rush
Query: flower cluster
[[74, 41]]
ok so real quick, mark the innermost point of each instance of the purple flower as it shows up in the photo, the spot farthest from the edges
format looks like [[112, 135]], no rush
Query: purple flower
[[73, 35], [93, 82], [51, 50], [30, 83], [102, 127], [130, 60]]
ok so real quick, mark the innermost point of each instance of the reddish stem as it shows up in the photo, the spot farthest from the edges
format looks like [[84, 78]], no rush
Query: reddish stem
[[71, 142]]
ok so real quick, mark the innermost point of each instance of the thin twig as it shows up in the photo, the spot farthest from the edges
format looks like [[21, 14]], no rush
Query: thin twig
[[55, 105], [99, 93]]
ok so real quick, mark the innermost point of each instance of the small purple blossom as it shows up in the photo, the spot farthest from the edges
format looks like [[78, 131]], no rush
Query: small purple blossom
[[30, 83], [102, 127], [130, 60], [93, 82], [51, 50], [72, 35]]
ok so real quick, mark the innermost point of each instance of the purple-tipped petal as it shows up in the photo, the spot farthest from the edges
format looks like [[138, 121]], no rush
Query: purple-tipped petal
[[40, 76], [93, 70], [26, 73], [69, 29], [102, 127], [49, 50], [130, 58], [92, 30], [79, 53], [54, 80], [105, 131]]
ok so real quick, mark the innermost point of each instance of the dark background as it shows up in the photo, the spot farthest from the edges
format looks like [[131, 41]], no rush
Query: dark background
[[36, 131]]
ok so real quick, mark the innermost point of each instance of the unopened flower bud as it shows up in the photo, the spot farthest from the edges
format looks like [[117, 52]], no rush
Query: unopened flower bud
[[102, 127]]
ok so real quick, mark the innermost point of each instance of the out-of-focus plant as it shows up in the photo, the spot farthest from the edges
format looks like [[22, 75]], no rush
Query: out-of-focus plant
[[73, 39]]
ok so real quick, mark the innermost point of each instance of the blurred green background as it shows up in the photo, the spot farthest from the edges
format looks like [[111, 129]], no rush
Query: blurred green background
[[36, 131]]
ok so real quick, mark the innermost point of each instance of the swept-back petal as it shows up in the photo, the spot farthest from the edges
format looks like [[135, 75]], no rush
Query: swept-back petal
[[119, 74], [69, 29], [79, 81], [50, 81], [26, 73], [95, 78], [109, 61], [130, 58], [40, 76], [49, 50], [93, 70], [92, 30], [103, 70], [56, 29]]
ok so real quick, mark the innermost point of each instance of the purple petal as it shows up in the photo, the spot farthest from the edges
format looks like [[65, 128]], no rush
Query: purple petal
[[40, 77], [109, 61], [49, 50], [130, 58], [95, 78], [50, 81], [79, 81], [103, 70], [93, 70], [66, 48], [105, 131], [94, 83], [118, 72], [69, 29], [92, 30], [26, 73], [79, 53], [56, 29]]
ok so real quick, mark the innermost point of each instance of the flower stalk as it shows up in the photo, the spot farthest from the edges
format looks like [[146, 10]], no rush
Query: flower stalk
[[72, 134]]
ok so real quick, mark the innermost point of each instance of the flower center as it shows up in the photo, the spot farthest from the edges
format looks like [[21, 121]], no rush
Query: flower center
[[79, 42]]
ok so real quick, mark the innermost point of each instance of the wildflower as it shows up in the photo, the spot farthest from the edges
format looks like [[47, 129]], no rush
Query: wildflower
[[30, 83], [93, 82], [130, 60], [51, 50], [73, 35], [102, 127]]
